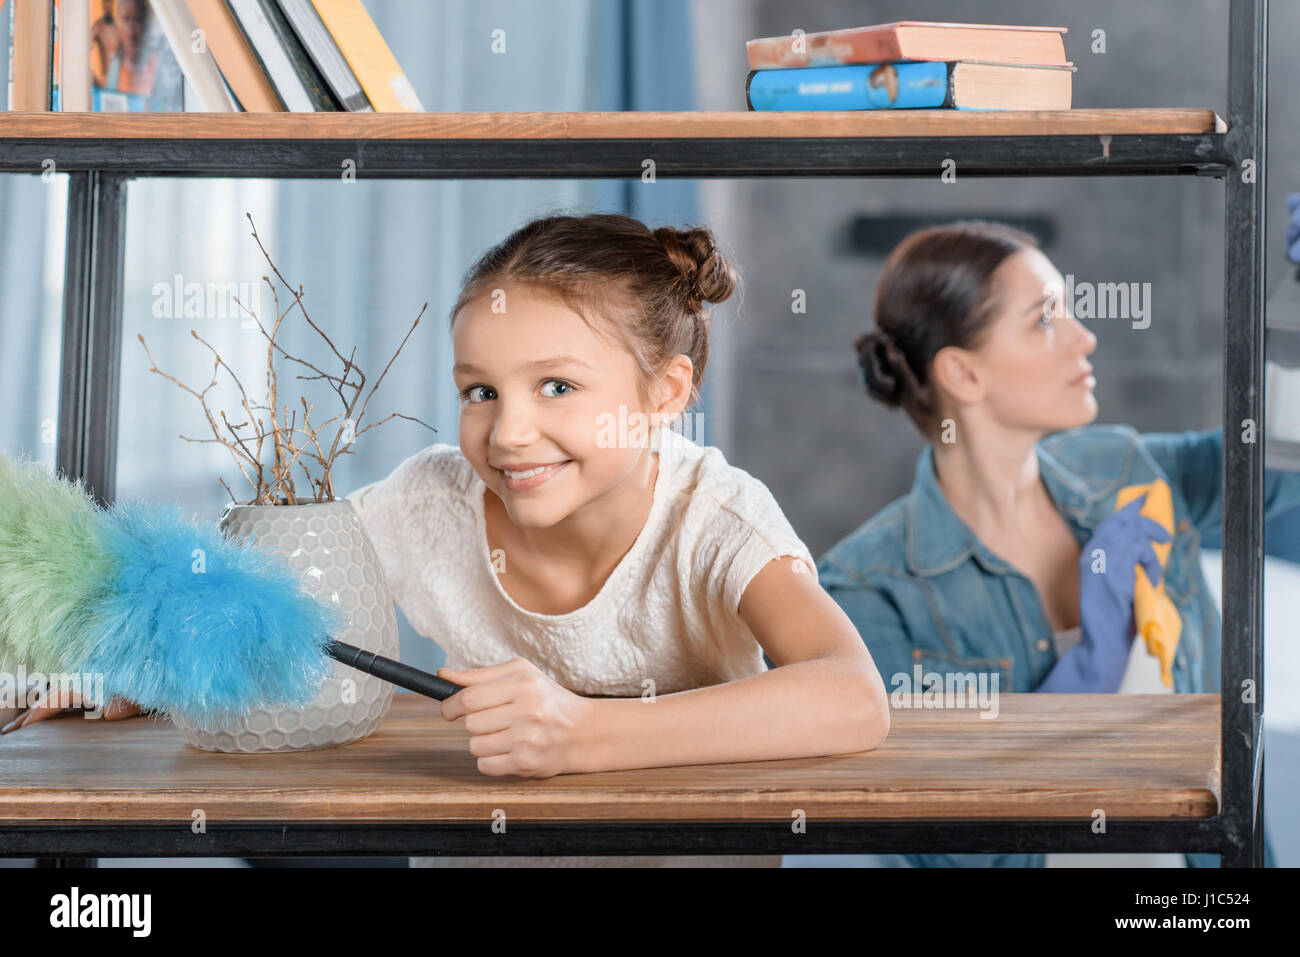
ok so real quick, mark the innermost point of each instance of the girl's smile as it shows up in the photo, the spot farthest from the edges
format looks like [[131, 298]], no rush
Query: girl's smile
[[527, 480]]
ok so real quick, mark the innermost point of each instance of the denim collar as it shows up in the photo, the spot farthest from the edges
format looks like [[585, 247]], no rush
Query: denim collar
[[938, 541]]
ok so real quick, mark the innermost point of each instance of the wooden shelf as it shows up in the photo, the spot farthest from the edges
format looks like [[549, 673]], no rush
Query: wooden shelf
[[617, 145], [620, 125], [1042, 757]]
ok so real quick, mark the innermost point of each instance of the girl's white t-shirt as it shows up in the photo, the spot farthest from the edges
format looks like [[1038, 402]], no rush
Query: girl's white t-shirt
[[668, 613]]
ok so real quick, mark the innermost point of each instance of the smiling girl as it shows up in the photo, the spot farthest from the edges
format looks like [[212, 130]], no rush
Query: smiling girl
[[605, 591]]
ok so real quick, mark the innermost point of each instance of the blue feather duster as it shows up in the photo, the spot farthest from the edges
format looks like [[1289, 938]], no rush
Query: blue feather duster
[[167, 613], [196, 624]]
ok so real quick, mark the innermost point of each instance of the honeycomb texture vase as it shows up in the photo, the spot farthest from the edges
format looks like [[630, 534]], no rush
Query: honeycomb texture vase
[[323, 542]]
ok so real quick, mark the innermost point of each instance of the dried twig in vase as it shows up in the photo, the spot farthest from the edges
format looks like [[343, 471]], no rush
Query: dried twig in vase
[[287, 449]]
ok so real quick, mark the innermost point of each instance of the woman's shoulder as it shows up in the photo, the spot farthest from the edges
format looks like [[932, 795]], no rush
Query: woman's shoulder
[[876, 547], [1108, 457], [1095, 444]]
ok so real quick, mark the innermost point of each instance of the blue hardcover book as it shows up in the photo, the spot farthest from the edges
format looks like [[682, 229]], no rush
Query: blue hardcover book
[[912, 85]]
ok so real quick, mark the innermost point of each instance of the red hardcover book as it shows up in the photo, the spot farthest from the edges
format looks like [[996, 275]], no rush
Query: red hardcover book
[[910, 40]]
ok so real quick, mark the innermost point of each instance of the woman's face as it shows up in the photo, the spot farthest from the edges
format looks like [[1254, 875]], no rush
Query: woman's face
[[1033, 363], [538, 387]]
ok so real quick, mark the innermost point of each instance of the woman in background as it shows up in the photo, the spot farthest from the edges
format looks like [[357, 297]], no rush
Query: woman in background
[[986, 564]]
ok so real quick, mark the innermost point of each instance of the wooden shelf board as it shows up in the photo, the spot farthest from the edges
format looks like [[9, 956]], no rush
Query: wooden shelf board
[[1056, 757], [618, 125]]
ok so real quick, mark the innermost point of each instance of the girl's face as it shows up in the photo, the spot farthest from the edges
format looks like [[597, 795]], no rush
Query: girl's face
[[1033, 364], [538, 388]]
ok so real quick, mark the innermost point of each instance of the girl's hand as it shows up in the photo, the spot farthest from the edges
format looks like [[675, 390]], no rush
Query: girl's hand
[[520, 721], [62, 700]]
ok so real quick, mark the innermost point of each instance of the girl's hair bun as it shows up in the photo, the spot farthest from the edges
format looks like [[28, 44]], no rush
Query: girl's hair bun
[[707, 276], [881, 365]]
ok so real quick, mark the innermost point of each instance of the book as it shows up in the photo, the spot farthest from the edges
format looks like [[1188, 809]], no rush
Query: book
[[240, 68], [29, 48], [961, 85], [132, 69], [189, 47], [373, 64], [6, 42], [910, 40], [54, 54], [296, 80], [74, 71], [316, 40]]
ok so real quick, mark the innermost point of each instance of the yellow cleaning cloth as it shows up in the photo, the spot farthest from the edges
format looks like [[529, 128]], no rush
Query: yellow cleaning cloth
[[1157, 620]]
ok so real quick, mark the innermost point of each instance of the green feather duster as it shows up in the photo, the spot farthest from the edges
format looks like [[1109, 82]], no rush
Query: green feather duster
[[48, 567]]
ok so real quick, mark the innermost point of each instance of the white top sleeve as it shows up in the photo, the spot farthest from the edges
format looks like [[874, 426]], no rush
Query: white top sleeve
[[736, 545]]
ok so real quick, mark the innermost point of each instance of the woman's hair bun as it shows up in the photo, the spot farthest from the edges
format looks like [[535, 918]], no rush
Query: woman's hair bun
[[879, 360], [707, 275]]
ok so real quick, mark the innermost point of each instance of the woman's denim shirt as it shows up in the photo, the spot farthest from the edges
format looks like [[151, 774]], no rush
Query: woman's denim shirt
[[921, 588]]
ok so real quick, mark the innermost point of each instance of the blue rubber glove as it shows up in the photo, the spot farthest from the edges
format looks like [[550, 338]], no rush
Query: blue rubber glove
[[1097, 663], [1293, 228]]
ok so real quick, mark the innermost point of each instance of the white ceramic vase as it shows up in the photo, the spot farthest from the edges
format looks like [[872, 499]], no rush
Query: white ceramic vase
[[323, 542]]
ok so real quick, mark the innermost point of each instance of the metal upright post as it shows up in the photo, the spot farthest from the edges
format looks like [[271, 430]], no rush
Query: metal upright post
[[90, 373], [92, 330], [1242, 673]]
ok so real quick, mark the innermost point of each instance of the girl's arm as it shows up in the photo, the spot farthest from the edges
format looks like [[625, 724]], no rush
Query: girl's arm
[[824, 697]]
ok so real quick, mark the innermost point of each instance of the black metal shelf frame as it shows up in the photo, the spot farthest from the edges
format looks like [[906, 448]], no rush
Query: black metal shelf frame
[[1123, 154], [88, 411]]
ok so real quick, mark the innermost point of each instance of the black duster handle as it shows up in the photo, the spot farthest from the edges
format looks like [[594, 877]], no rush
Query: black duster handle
[[412, 679]]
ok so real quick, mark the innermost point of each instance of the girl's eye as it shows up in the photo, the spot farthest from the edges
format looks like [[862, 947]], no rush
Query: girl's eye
[[465, 392], [1045, 318]]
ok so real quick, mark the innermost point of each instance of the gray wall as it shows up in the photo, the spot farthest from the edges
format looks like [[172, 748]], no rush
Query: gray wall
[[800, 419]]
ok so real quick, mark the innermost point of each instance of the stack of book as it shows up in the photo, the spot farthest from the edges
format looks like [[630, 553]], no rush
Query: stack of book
[[912, 64], [214, 56]]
